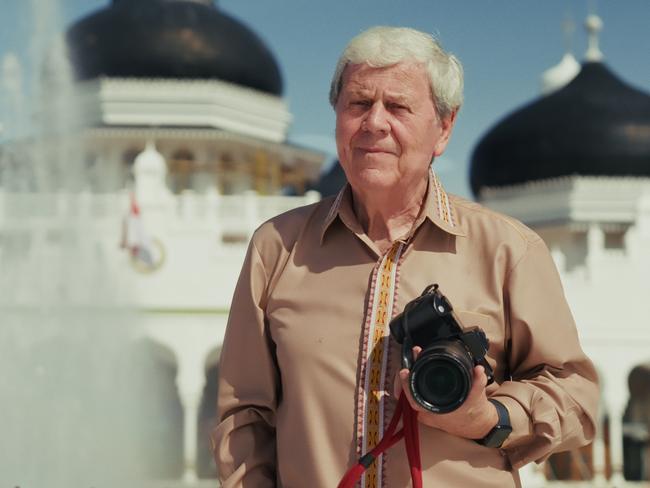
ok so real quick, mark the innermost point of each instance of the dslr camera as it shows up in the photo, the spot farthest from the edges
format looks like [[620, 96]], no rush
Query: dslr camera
[[441, 377]]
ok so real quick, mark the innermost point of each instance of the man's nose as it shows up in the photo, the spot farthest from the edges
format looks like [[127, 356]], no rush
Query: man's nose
[[377, 118]]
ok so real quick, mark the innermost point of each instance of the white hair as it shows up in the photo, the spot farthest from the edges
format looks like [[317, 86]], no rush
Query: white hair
[[386, 46]]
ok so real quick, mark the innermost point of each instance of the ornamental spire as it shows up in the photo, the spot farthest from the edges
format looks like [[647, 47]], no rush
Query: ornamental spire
[[594, 25], [568, 28]]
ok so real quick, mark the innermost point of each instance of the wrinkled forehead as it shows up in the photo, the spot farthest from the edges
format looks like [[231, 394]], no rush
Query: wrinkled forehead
[[405, 79]]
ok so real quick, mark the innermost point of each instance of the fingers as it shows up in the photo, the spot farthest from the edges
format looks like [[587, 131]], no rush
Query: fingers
[[479, 382], [480, 377], [402, 386], [401, 378], [401, 382], [404, 377]]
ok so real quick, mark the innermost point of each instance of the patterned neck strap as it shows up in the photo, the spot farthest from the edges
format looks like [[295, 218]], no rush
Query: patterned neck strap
[[374, 383]]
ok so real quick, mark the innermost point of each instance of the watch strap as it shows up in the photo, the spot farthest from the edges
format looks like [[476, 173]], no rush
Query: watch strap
[[500, 432]]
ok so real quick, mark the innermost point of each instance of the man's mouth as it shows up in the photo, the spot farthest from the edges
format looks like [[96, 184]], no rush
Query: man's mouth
[[374, 150]]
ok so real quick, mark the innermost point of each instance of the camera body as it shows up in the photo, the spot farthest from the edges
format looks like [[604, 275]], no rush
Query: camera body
[[441, 377]]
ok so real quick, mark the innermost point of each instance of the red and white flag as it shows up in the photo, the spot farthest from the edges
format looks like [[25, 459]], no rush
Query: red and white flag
[[134, 236]]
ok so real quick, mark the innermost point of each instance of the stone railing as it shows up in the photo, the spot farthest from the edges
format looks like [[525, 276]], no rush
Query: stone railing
[[230, 212]]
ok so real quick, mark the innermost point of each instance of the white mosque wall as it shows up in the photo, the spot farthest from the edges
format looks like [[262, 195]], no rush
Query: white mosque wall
[[199, 239], [184, 103], [570, 200]]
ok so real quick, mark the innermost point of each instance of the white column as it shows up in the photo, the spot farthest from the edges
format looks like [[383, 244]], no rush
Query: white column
[[212, 219], [191, 379], [191, 337], [190, 404], [616, 444], [251, 202], [598, 455], [616, 395], [595, 247]]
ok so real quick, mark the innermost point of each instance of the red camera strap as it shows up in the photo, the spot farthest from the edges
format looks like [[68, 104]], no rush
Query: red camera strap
[[409, 432]]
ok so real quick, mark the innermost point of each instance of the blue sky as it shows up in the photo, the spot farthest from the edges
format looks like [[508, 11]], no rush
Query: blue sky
[[504, 45]]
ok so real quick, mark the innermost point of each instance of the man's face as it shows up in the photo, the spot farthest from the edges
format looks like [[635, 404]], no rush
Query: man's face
[[387, 127]]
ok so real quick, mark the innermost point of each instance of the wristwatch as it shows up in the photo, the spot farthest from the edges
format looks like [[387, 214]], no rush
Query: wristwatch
[[500, 432]]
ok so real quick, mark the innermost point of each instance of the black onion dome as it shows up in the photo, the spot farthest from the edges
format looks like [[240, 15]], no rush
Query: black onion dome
[[595, 125], [331, 182], [186, 39]]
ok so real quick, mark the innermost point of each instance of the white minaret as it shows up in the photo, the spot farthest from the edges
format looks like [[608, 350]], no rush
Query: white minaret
[[150, 171]]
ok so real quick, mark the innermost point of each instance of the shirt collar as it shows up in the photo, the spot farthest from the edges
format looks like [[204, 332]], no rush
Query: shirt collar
[[438, 209]]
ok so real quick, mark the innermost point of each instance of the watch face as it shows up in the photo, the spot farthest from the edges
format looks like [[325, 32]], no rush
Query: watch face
[[497, 436]]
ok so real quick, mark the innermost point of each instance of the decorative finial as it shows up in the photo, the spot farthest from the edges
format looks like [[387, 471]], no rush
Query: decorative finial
[[594, 25], [568, 28]]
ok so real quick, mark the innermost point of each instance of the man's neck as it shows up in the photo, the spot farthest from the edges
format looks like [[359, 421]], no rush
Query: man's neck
[[389, 216]]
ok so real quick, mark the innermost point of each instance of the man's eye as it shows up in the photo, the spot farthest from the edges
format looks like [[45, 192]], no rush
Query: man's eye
[[361, 103], [397, 107]]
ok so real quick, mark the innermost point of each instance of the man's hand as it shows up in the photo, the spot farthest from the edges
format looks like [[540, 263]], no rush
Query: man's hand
[[473, 419]]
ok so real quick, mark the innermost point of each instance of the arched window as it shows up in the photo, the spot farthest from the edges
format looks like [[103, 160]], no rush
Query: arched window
[[182, 167], [158, 411], [636, 426]]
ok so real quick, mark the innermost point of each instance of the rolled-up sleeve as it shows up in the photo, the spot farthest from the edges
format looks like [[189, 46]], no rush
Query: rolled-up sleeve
[[553, 395], [243, 442]]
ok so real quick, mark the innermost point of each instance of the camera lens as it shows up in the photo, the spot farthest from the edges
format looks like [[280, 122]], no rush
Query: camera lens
[[442, 377], [440, 382]]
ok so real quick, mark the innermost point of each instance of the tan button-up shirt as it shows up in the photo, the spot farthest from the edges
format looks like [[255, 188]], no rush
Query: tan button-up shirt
[[307, 365]]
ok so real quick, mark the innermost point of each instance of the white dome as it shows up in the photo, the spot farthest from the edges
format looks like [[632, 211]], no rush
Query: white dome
[[561, 74], [150, 162], [150, 171]]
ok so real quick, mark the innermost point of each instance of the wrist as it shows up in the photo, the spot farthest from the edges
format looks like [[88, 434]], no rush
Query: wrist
[[491, 419], [501, 430]]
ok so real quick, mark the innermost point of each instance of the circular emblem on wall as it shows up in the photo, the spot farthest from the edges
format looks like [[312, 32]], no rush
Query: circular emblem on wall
[[147, 259]]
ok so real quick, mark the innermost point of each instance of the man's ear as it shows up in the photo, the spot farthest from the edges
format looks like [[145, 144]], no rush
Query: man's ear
[[447, 125]]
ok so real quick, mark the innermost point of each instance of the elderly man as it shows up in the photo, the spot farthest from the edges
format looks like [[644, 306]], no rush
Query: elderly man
[[308, 368]]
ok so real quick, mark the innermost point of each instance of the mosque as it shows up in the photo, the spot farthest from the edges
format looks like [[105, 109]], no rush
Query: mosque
[[185, 106], [574, 165]]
